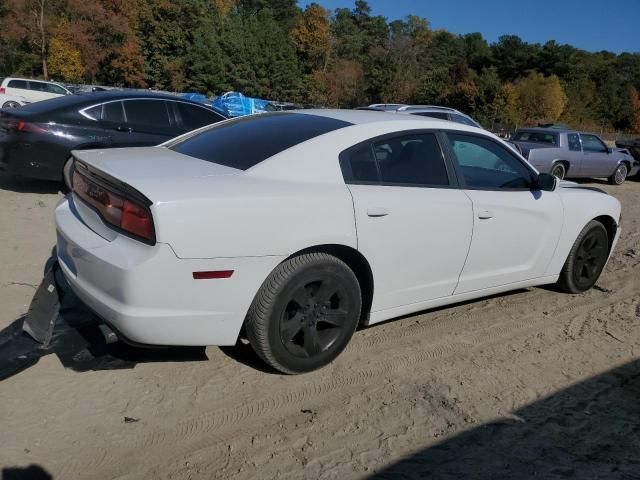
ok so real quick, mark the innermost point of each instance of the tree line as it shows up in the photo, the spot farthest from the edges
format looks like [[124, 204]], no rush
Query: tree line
[[345, 58]]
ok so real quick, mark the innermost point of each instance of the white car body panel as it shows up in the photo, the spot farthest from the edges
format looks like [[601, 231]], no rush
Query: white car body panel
[[514, 236], [429, 250], [412, 231], [4, 98]]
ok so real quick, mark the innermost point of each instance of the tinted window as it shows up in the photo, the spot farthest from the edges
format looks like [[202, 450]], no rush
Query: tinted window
[[57, 89], [38, 86], [462, 119], [147, 115], [485, 164], [536, 137], [193, 116], [574, 142], [359, 166], [246, 141], [591, 143], [18, 84], [95, 113], [411, 160], [112, 112], [441, 115]]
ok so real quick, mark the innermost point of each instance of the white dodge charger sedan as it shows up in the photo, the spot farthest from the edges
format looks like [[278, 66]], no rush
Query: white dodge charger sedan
[[296, 227]]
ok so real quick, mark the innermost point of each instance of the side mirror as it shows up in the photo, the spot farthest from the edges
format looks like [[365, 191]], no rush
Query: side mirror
[[546, 182], [609, 150]]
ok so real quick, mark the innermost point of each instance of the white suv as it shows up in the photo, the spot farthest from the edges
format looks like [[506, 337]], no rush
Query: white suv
[[32, 90]]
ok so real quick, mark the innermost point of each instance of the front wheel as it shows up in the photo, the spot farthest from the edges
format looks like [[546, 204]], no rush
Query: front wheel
[[559, 171], [305, 313], [620, 175], [586, 259]]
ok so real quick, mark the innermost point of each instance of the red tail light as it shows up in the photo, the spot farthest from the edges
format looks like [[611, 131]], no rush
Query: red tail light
[[123, 213], [19, 125], [3, 90]]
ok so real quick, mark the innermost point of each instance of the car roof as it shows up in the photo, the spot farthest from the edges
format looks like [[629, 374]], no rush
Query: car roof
[[86, 99], [358, 117]]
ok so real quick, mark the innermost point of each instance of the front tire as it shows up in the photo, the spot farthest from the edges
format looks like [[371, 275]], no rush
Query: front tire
[[305, 313], [559, 171], [586, 259], [620, 175]]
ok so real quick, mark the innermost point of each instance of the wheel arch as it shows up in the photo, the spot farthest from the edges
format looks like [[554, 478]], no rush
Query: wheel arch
[[356, 262], [566, 163], [610, 226]]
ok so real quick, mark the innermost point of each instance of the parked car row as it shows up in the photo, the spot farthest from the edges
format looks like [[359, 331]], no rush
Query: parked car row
[[36, 140]]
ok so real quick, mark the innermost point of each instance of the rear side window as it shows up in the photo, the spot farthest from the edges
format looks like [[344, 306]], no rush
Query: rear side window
[[410, 160], [246, 141], [536, 137], [441, 115], [18, 84], [147, 115], [463, 120], [193, 116], [113, 112]]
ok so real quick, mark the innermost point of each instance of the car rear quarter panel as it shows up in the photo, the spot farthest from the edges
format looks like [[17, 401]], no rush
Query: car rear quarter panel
[[238, 216], [581, 205]]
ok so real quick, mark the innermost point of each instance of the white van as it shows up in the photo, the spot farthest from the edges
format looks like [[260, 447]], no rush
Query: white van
[[32, 90]]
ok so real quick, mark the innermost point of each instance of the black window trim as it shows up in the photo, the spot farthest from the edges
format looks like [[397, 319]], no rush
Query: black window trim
[[345, 165], [454, 160]]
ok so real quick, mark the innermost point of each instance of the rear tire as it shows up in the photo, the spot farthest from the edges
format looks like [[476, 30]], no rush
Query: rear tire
[[620, 175], [305, 313], [10, 104], [586, 259]]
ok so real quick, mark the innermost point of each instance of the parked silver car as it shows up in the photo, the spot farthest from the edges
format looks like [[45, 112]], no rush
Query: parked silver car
[[573, 154], [433, 111]]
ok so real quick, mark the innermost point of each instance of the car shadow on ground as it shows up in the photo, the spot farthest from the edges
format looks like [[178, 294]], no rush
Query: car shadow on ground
[[32, 472], [589, 430], [80, 345], [28, 185]]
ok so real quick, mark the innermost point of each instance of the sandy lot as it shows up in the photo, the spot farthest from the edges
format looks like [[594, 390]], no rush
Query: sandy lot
[[530, 384]]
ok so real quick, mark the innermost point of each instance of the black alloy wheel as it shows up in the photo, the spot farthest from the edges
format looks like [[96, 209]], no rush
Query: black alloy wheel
[[305, 313], [586, 259]]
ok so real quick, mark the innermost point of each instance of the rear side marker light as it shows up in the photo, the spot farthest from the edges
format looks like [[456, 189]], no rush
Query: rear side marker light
[[212, 274]]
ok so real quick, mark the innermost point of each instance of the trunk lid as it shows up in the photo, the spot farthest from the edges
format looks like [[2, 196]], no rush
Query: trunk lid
[[150, 170]]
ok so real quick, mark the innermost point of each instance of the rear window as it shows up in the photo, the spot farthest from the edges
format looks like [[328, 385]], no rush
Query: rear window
[[246, 141], [536, 137], [18, 84]]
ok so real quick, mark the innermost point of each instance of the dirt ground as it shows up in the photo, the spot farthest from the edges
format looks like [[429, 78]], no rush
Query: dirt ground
[[529, 384]]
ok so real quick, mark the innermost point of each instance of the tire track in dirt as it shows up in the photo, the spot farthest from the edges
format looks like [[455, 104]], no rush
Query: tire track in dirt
[[213, 425]]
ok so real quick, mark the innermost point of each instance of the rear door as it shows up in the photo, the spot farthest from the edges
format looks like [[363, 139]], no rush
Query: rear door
[[148, 121], [515, 229], [413, 223], [21, 88]]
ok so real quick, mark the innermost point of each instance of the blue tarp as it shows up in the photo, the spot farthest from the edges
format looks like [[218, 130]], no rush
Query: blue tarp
[[235, 104]]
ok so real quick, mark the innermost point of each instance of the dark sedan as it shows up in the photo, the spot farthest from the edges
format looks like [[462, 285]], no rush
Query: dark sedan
[[36, 140]]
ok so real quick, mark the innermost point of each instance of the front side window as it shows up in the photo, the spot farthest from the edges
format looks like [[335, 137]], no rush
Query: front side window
[[485, 164], [591, 143], [193, 116], [574, 142], [411, 160], [57, 89]]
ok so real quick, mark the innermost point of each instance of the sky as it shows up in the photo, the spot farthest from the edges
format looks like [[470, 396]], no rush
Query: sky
[[591, 25]]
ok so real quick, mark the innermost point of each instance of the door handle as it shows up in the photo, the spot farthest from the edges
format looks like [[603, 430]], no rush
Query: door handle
[[377, 212], [485, 214]]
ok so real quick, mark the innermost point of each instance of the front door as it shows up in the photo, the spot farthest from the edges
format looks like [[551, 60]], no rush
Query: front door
[[412, 225], [515, 229], [597, 162]]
